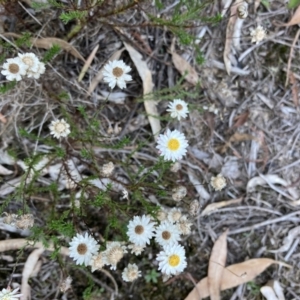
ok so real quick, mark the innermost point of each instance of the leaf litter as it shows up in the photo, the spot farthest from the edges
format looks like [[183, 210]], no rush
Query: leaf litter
[[253, 226]]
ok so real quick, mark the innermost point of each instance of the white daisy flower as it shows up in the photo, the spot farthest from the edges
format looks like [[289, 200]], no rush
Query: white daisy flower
[[172, 260], [59, 128], [172, 145], [98, 261], [8, 294], [41, 70], [135, 249], [167, 234], [258, 34], [184, 225], [178, 109], [113, 254], [174, 215], [83, 248], [30, 60], [14, 69], [218, 183], [131, 273], [140, 230], [115, 74]]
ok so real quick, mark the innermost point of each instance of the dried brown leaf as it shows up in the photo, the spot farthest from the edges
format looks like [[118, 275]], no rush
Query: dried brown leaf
[[295, 91], [235, 275], [237, 137], [240, 120], [29, 267], [183, 67], [48, 42], [88, 63], [215, 206], [229, 36], [216, 266], [145, 74], [293, 21]]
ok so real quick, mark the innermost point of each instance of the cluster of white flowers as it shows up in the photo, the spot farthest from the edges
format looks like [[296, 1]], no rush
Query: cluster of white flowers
[[26, 64], [141, 230], [172, 145], [84, 249]]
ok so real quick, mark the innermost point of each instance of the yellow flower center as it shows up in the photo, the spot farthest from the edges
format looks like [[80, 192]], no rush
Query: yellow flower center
[[60, 127], [139, 229], [166, 235], [173, 144], [117, 72], [82, 249], [13, 68], [179, 107], [174, 260]]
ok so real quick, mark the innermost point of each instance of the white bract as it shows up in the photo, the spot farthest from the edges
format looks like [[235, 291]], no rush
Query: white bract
[[135, 249], [30, 60], [167, 234], [184, 225], [140, 230], [59, 128], [83, 248], [41, 70], [172, 260], [8, 294], [178, 109], [14, 69], [131, 273], [174, 215], [172, 145], [258, 34], [98, 261], [115, 73], [218, 183], [113, 254]]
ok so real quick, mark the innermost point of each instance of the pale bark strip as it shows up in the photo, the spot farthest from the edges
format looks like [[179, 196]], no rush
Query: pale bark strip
[[216, 266]]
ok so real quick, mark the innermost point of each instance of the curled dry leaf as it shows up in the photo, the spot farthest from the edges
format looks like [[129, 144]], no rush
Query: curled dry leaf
[[272, 291], [48, 42], [213, 207], [146, 76], [271, 179], [4, 171], [235, 275], [29, 267], [216, 266], [288, 240], [183, 67], [268, 293]]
